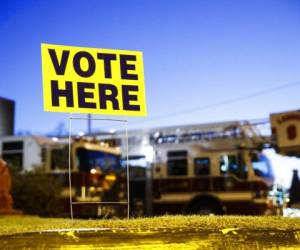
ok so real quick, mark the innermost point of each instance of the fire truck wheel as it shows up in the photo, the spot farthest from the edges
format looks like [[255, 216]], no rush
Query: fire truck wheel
[[205, 206]]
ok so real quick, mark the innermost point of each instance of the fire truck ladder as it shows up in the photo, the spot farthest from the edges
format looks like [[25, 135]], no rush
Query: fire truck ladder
[[255, 132]]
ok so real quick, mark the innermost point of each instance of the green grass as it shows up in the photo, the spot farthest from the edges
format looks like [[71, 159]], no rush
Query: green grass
[[22, 224]]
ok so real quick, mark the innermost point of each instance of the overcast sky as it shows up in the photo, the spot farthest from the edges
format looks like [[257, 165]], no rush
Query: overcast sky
[[198, 55]]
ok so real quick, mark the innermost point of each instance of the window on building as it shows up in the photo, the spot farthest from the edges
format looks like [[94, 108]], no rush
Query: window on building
[[14, 145], [12, 153], [177, 163], [202, 166]]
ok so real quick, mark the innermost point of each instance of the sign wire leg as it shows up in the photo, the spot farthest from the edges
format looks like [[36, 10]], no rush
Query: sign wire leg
[[127, 168], [70, 179]]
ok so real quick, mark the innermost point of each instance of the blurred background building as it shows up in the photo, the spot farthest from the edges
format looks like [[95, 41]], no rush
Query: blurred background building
[[7, 116]]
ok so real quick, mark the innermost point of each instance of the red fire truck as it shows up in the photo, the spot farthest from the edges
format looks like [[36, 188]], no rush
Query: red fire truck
[[213, 169]]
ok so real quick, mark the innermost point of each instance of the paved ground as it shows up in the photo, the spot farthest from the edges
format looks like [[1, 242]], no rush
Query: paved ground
[[179, 232], [160, 239]]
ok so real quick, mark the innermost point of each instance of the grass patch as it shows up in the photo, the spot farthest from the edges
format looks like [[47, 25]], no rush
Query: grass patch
[[21, 224]]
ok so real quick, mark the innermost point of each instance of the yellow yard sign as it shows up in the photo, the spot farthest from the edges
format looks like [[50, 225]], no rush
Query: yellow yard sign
[[93, 81]]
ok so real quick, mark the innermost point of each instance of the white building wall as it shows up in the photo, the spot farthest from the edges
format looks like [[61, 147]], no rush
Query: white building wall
[[31, 150], [32, 154]]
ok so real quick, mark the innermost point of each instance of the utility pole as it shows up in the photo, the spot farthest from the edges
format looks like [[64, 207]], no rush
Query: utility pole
[[89, 124]]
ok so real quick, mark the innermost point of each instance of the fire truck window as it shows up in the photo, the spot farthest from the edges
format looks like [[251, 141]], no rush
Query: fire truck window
[[92, 159], [261, 165], [202, 166], [234, 165], [177, 163], [137, 165]]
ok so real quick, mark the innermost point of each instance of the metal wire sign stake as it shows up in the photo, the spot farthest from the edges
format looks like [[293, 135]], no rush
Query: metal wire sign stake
[[70, 168]]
